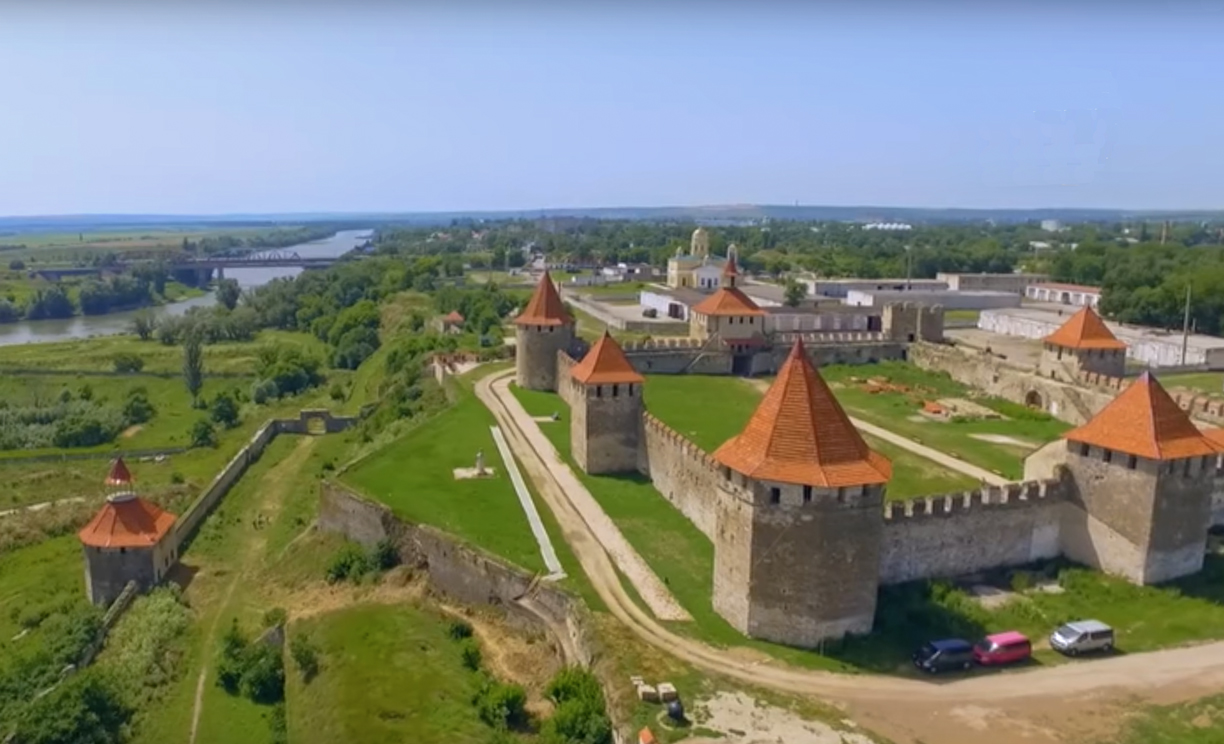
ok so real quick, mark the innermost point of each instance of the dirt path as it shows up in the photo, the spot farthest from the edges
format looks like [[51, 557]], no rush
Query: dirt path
[[952, 463], [1022, 707], [271, 494]]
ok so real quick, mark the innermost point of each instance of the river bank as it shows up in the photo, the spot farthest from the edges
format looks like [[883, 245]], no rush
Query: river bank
[[110, 324]]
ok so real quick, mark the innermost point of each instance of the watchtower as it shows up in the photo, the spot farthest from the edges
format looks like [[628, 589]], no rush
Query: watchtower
[[799, 525], [1083, 344], [125, 541], [542, 329], [606, 418], [1143, 474]]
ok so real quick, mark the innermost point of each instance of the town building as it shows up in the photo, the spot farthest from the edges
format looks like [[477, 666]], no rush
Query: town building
[[696, 269], [1078, 295], [125, 541], [1084, 344], [839, 288], [452, 322], [1014, 283], [949, 299]]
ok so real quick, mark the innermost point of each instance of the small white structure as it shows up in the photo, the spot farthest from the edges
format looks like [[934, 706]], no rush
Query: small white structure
[[840, 287], [1076, 295], [1051, 225], [1016, 283], [979, 300]]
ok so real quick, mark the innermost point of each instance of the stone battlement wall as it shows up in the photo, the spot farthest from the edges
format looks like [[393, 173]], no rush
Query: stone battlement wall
[[682, 472], [963, 533], [565, 382]]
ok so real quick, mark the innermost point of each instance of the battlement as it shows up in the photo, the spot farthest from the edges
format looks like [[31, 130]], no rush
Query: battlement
[[1204, 406], [1012, 495], [682, 443], [1104, 381], [661, 344], [817, 338]]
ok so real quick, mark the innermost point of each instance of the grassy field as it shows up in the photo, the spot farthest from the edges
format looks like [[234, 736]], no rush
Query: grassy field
[[391, 674], [1211, 383], [1199, 722], [414, 475], [66, 247], [899, 412], [709, 410], [962, 314]]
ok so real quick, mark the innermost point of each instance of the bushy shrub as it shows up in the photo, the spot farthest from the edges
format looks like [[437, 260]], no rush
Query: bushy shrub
[[305, 656], [459, 629], [257, 670], [501, 705], [349, 562], [128, 362], [144, 649], [384, 555], [203, 434], [471, 654], [580, 716], [275, 617]]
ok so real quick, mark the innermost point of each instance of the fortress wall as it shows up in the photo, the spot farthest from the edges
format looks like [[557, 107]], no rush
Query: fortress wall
[[565, 383], [963, 533], [682, 472]]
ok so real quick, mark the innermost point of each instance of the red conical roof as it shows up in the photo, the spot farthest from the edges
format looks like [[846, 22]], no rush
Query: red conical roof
[[800, 434], [606, 364], [119, 474], [1144, 421], [129, 522], [545, 307], [1085, 330], [731, 269]]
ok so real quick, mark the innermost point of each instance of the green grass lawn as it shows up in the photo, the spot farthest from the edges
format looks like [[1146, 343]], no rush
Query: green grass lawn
[[709, 410], [414, 475], [899, 412], [1198, 722], [39, 577], [389, 674], [962, 314], [1211, 383]]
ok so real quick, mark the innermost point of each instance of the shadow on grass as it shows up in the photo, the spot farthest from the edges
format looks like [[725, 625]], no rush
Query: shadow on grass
[[1207, 585], [182, 574]]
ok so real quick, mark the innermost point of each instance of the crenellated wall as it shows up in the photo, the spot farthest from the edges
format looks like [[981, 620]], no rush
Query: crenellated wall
[[566, 387], [963, 533], [682, 472]]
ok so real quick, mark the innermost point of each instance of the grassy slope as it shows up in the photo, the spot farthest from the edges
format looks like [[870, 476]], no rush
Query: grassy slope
[[709, 410], [390, 674]]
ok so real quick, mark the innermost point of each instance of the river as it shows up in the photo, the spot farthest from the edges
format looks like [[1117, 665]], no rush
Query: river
[[83, 326]]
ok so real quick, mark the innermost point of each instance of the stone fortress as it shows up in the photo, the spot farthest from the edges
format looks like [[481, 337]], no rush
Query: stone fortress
[[795, 504]]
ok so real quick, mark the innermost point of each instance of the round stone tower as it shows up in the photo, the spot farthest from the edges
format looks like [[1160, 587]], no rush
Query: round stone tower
[[542, 329]]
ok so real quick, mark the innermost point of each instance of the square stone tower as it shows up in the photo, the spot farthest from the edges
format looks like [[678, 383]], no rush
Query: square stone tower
[[800, 520], [542, 329], [606, 418], [729, 313], [1143, 475], [1083, 344]]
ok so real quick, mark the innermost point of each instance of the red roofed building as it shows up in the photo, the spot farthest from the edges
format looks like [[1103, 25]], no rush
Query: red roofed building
[[605, 409], [1083, 344], [1144, 480], [452, 322], [125, 541], [729, 314], [542, 329], [799, 527]]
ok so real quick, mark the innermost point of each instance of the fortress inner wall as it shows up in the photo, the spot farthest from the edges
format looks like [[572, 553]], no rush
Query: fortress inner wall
[[682, 472]]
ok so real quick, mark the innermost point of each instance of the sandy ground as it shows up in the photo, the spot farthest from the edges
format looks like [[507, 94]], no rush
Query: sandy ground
[[1003, 439], [742, 720]]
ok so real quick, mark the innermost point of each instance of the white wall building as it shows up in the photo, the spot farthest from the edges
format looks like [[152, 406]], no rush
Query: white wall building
[[1076, 295], [950, 300], [840, 287]]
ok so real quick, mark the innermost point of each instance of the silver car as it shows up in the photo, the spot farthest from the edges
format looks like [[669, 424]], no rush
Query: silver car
[[1082, 636]]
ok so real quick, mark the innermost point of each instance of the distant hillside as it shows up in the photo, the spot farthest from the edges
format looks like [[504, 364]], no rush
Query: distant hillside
[[705, 214]]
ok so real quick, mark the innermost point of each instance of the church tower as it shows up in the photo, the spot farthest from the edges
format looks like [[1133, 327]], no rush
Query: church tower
[[542, 329], [799, 525], [699, 244], [606, 418]]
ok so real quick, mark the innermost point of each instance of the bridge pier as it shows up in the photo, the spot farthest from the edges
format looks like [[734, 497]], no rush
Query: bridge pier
[[203, 276]]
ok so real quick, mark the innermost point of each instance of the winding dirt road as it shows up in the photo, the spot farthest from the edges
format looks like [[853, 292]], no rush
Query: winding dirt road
[[1075, 700]]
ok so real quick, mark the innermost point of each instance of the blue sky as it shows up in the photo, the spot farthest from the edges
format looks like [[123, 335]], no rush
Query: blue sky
[[217, 108]]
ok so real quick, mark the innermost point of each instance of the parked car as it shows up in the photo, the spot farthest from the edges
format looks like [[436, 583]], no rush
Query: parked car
[[1082, 636], [1002, 648], [941, 656]]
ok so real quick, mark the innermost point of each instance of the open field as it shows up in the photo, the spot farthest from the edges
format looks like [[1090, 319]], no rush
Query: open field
[[900, 411], [63, 247], [391, 674], [1211, 383], [1199, 722], [591, 328], [709, 410]]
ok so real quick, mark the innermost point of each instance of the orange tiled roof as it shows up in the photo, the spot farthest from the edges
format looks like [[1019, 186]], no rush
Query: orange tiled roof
[[731, 269], [453, 317], [728, 301], [1144, 421], [119, 474], [1215, 435], [800, 434], [545, 307], [646, 736], [1085, 330], [606, 364], [127, 522]]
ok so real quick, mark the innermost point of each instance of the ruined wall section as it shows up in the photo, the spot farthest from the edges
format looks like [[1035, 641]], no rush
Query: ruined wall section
[[682, 472], [963, 533]]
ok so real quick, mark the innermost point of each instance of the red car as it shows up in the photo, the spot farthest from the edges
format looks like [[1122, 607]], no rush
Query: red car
[[1002, 648]]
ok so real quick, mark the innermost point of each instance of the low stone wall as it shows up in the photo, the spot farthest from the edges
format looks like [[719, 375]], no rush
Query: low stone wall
[[565, 381], [130, 455], [459, 571], [682, 472], [963, 533]]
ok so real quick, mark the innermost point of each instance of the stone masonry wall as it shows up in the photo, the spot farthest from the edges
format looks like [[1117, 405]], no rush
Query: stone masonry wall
[[963, 533], [459, 570], [682, 472]]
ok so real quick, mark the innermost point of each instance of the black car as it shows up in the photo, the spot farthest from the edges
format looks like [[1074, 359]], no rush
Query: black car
[[940, 656]]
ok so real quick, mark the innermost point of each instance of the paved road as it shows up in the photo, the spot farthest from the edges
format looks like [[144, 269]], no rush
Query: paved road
[[1011, 707], [952, 463]]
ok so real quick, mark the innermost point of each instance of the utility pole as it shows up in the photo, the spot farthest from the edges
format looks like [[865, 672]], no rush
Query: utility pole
[[1186, 326]]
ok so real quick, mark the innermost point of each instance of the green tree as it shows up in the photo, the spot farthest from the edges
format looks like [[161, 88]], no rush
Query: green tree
[[225, 410], [795, 292], [193, 365], [228, 293], [84, 708], [128, 362], [203, 434]]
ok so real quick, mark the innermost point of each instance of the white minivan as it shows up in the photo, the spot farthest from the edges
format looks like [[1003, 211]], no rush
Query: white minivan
[[1082, 636]]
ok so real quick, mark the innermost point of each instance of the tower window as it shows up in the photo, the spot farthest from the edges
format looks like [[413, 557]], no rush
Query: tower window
[[598, 391], [807, 494], [775, 495], [1186, 466], [1084, 449], [615, 390], [1131, 462], [1108, 455]]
